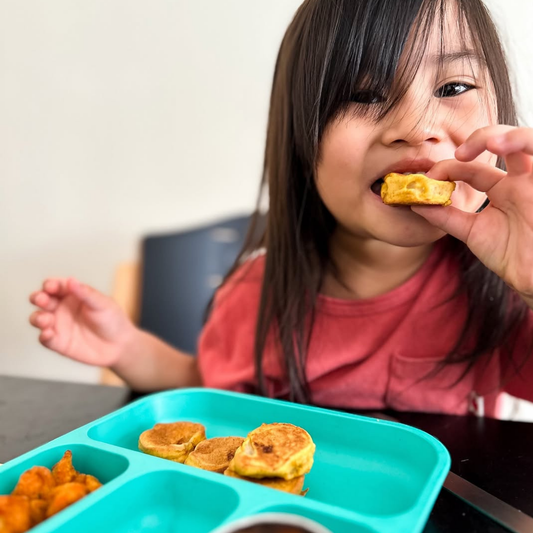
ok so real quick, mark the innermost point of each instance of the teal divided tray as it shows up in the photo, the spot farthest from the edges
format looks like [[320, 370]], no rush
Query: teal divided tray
[[368, 476]]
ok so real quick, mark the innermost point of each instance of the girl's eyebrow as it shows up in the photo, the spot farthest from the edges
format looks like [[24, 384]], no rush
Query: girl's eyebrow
[[460, 55]]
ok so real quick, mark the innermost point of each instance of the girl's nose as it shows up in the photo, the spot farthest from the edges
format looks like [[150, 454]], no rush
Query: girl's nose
[[413, 124]]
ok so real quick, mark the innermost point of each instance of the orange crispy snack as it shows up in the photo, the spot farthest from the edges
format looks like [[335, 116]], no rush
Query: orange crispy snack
[[63, 471], [41, 493], [89, 481], [65, 495], [36, 483], [14, 514], [38, 510]]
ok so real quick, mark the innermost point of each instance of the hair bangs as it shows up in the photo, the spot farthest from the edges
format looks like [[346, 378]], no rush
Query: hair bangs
[[380, 46]]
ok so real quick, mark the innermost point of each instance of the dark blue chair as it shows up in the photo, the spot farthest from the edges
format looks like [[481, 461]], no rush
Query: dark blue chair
[[180, 272]]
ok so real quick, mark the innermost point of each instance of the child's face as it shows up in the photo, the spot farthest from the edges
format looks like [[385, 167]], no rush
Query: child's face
[[424, 128]]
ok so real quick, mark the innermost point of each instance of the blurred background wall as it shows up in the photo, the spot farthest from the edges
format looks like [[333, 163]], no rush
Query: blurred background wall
[[120, 118]]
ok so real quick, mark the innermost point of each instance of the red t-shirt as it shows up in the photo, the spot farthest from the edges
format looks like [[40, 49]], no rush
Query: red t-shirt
[[367, 354]]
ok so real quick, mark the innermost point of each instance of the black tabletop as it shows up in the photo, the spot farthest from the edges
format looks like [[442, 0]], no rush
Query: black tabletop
[[494, 455]]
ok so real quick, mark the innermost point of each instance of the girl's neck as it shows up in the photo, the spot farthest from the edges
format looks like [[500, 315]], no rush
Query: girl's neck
[[365, 268]]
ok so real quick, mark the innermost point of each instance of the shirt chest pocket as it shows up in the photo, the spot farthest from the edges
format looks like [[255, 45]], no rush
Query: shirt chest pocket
[[416, 385]]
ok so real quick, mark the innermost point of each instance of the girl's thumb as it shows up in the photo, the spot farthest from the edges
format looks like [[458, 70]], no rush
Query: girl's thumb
[[89, 296]]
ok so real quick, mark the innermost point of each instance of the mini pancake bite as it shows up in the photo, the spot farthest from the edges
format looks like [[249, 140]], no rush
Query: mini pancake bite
[[215, 454], [415, 189], [292, 486], [173, 441], [275, 451]]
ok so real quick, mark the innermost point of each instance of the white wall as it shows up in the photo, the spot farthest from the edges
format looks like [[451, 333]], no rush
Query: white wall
[[124, 117], [514, 19]]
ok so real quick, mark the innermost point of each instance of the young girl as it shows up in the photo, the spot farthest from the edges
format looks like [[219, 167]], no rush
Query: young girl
[[356, 304]]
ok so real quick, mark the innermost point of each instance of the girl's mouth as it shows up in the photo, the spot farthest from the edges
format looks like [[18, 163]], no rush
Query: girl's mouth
[[376, 186]]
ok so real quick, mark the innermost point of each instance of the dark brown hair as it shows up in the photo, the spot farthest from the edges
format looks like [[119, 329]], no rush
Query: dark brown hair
[[331, 50]]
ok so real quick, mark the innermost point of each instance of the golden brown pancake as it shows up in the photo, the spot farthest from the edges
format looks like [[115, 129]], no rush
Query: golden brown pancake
[[416, 189], [214, 454], [172, 441], [294, 486], [275, 450]]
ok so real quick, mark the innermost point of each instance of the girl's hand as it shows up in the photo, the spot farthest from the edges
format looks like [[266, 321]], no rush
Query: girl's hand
[[501, 236], [80, 322]]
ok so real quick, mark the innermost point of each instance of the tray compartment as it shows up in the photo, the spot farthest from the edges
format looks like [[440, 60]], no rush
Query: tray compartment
[[102, 464], [160, 501]]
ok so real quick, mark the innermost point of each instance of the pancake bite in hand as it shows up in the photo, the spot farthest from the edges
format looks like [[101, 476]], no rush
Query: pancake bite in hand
[[415, 189], [174, 441], [215, 454]]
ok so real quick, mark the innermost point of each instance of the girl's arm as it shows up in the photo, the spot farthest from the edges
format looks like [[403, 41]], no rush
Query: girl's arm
[[83, 324], [147, 364]]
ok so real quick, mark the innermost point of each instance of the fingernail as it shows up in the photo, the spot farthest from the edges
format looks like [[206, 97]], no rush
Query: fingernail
[[460, 151]]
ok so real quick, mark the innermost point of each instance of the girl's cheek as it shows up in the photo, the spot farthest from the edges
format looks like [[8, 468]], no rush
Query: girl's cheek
[[477, 110]]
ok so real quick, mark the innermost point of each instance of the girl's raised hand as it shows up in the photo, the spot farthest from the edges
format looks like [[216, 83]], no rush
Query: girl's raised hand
[[501, 236], [79, 322]]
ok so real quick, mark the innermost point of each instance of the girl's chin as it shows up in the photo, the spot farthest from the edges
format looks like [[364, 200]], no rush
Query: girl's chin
[[407, 229]]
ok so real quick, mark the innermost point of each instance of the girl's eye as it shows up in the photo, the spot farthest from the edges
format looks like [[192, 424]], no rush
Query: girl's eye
[[453, 89], [367, 97]]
